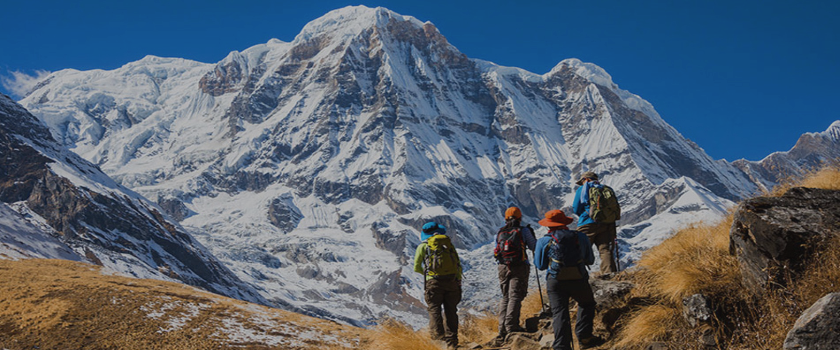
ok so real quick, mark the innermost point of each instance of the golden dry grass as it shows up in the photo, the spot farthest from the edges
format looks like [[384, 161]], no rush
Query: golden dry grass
[[59, 304], [774, 314], [654, 323], [478, 329], [826, 177], [392, 334], [696, 260], [532, 303]]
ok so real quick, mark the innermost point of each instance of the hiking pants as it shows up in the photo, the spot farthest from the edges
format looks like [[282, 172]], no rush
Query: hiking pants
[[514, 283], [443, 292], [603, 237], [559, 293]]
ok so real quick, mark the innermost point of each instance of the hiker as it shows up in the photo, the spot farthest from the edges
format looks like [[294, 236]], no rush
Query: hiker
[[514, 269], [564, 253], [597, 209], [438, 261]]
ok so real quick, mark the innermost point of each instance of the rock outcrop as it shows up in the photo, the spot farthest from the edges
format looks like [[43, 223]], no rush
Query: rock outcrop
[[818, 328], [773, 236]]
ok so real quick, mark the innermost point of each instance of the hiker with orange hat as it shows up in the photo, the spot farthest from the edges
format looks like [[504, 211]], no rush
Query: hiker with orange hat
[[511, 242], [565, 254]]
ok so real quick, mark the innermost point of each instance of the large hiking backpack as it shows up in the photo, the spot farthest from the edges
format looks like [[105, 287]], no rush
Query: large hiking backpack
[[510, 247], [441, 257], [603, 204], [564, 253]]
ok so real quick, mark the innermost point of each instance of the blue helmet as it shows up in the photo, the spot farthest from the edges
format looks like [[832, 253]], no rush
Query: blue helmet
[[430, 229]]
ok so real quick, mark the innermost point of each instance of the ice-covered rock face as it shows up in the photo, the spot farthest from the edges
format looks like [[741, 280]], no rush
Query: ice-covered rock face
[[65, 207], [308, 166]]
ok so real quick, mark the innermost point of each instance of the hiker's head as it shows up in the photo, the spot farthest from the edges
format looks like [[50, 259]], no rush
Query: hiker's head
[[430, 229], [555, 218], [513, 213], [587, 176]]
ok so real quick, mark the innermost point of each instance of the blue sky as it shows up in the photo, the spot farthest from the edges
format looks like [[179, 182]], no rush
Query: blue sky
[[740, 78]]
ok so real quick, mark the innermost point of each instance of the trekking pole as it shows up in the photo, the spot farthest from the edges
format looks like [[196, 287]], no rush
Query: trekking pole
[[539, 288], [617, 259]]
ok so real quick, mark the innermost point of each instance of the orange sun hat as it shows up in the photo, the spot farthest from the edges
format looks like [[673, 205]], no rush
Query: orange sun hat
[[555, 218]]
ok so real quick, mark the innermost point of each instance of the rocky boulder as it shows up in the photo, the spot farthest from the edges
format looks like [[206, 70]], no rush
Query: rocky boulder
[[773, 236], [697, 310], [818, 328], [613, 300]]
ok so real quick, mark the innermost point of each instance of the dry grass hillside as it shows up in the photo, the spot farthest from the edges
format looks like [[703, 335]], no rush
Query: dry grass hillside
[[59, 304], [697, 260]]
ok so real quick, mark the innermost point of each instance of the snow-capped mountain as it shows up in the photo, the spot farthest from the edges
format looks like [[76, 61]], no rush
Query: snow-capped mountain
[[308, 166], [54, 204], [810, 151]]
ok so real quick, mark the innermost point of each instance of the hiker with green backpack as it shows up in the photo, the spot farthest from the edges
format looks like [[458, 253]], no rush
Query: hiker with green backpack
[[597, 209], [438, 261]]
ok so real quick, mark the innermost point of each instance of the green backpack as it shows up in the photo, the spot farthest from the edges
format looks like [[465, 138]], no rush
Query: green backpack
[[603, 204], [441, 257]]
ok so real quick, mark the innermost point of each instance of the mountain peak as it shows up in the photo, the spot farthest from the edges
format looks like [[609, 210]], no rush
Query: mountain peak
[[589, 71], [350, 20], [833, 131]]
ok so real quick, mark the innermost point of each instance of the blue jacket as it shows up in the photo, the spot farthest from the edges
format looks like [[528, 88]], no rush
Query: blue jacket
[[581, 204], [541, 253]]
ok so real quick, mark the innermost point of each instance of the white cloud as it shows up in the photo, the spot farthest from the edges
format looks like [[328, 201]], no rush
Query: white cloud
[[20, 84]]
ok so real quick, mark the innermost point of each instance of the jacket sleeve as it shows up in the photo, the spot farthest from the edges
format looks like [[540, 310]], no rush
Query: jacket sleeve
[[529, 238], [419, 256], [541, 252], [577, 206], [586, 249]]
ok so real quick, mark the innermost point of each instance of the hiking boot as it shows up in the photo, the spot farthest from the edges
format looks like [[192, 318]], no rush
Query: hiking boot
[[590, 342], [605, 276], [517, 329], [498, 341]]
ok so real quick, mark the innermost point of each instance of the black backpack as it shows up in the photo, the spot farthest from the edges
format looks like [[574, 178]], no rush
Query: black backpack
[[510, 247], [565, 259]]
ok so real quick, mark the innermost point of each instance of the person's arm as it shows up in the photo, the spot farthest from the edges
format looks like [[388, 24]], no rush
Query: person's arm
[[577, 206], [419, 256], [529, 237]]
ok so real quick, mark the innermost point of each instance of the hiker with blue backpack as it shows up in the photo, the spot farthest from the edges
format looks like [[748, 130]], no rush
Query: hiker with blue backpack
[[597, 209], [512, 241], [440, 265], [565, 254]]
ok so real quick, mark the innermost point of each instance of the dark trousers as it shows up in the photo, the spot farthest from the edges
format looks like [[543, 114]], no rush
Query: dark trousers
[[559, 293], [445, 293], [514, 283], [603, 237]]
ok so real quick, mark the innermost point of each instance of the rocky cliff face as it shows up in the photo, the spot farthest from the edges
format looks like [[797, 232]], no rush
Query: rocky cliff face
[[94, 216], [774, 236], [310, 164]]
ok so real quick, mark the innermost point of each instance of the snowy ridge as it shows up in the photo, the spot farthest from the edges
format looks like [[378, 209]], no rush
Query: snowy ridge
[[75, 210], [307, 167], [21, 239], [811, 151]]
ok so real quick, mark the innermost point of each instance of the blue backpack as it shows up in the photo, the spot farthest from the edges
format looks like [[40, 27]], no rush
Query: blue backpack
[[559, 252]]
